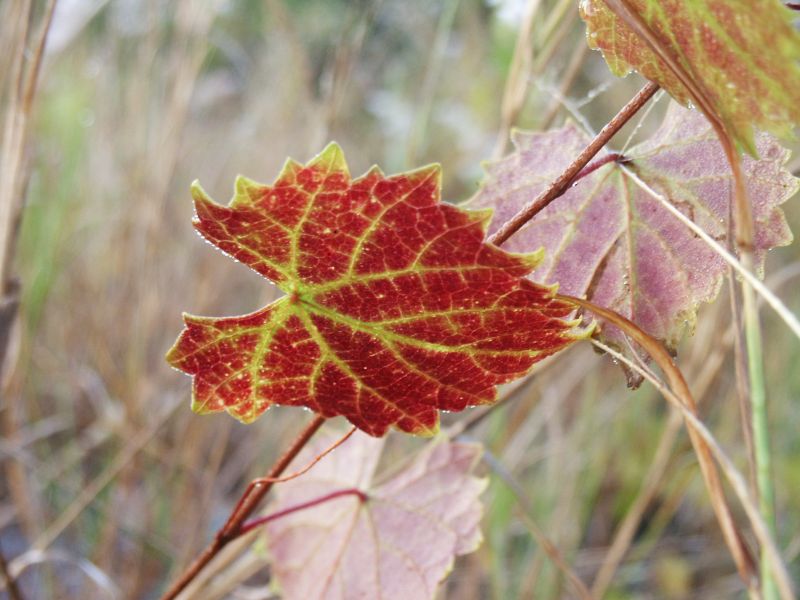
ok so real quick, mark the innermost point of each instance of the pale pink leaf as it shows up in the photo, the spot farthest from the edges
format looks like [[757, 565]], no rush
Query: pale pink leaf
[[400, 544]]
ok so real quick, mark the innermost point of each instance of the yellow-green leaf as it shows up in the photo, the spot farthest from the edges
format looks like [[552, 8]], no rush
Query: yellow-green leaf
[[741, 54]]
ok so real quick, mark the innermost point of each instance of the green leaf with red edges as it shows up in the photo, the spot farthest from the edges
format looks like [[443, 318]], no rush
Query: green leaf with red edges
[[399, 544], [742, 54], [395, 307]]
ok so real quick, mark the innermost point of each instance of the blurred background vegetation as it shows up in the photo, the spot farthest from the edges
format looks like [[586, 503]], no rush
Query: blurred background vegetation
[[111, 485]]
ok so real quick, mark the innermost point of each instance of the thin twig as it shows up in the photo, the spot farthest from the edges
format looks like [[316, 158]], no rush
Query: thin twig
[[233, 519], [415, 144], [15, 138], [738, 483], [731, 533], [624, 534], [760, 420], [742, 385], [751, 284], [538, 535], [562, 183], [743, 222], [255, 523], [791, 320], [23, 77], [514, 93], [244, 509], [569, 77], [596, 164], [309, 466]]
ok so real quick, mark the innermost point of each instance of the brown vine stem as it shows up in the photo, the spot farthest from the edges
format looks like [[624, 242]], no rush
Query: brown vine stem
[[233, 525], [596, 164], [244, 508], [256, 492], [737, 481], [677, 383], [743, 222], [562, 183]]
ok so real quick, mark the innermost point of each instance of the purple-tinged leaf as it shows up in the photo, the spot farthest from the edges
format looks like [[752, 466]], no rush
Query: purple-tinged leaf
[[610, 241]]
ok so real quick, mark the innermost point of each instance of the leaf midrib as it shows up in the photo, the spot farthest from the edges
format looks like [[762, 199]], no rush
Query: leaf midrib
[[381, 333]]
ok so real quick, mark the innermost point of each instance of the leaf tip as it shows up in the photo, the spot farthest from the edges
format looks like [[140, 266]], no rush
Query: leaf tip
[[173, 355], [200, 407], [247, 416], [197, 190], [531, 260], [517, 136], [427, 431], [373, 171], [427, 427], [746, 142], [432, 172], [242, 186], [331, 159], [581, 330], [481, 216], [199, 195]]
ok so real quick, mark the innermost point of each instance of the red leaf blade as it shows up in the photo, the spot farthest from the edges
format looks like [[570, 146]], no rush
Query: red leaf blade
[[396, 308]]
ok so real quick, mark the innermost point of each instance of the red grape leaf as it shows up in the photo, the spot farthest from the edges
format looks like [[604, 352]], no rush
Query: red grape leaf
[[742, 54], [395, 306], [400, 543], [610, 241]]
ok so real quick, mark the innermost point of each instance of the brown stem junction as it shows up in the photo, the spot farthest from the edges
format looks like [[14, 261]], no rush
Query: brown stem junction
[[244, 508], [571, 173], [255, 523]]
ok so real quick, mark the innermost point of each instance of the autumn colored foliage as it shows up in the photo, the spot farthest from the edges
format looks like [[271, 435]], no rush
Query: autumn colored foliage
[[440, 348], [395, 307], [373, 548], [739, 55], [612, 241]]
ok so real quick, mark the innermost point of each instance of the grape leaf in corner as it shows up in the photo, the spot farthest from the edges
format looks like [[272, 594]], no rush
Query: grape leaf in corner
[[395, 307], [398, 544], [610, 241], [742, 54]]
